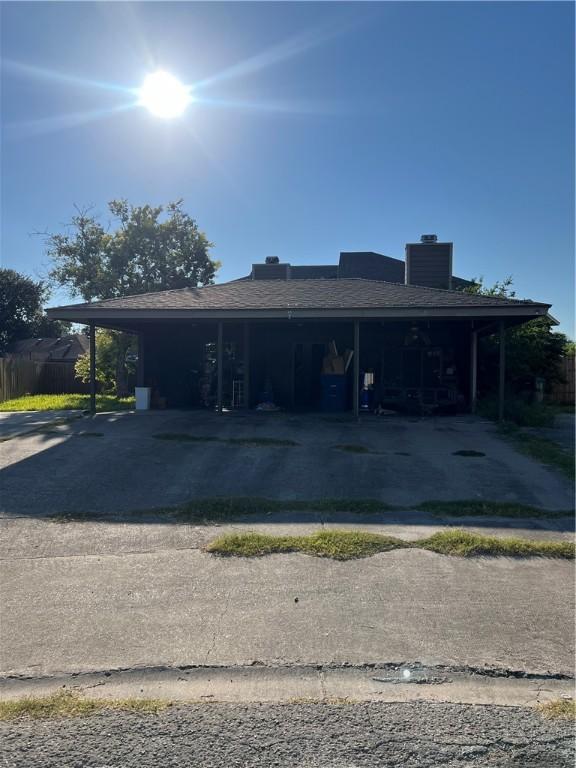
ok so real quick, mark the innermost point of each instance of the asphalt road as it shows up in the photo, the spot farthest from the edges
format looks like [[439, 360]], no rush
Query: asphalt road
[[411, 735]]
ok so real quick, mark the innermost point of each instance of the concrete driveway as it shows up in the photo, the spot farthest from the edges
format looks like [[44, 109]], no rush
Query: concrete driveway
[[135, 591], [15, 423], [115, 462]]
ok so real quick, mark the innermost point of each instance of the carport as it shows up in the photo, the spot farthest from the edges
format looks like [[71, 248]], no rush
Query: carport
[[224, 346]]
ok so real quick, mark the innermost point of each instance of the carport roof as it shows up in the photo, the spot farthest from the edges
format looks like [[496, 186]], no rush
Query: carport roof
[[352, 297]]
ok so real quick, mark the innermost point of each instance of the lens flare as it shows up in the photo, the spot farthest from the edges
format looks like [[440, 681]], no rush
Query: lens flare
[[163, 95]]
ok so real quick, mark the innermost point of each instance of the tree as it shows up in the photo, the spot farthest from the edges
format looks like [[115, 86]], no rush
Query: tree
[[145, 253], [110, 347], [153, 248], [533, 349], [500, 288], [21, 314]]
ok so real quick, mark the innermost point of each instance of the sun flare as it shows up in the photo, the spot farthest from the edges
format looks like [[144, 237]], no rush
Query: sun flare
[[164, 95]]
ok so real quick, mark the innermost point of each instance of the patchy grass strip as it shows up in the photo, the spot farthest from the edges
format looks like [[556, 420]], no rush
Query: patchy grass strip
[[465, 544], [541, 449], [476, 508], [220, 509], [233, 508], [184, 437], [469, 454], [348, 545], [339, 545], [561, 709], [72, 517], [69, 704], [264, 441]]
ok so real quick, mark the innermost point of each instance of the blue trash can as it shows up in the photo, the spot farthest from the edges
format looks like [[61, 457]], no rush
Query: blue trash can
[[333, 392]]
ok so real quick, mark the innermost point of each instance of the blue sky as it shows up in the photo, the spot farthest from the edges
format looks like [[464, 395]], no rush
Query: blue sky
[[318, 127]]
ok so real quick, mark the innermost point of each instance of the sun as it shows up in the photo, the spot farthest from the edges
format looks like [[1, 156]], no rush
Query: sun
[[164, 95]]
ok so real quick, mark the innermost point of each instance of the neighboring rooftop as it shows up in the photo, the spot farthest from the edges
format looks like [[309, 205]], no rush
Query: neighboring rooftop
[[62, 349]]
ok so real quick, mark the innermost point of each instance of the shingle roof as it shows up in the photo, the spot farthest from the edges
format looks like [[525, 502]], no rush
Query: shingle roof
[[62, 348], [343, 294]]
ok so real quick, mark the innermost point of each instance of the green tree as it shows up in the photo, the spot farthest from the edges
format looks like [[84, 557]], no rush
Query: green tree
[[533, 349], [151, 248], [500, 288], [110, 346], [146, 252], [21, 313]]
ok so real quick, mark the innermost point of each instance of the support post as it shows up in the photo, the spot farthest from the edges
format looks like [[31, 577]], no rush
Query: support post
[[502, 370], [219, 353], [356, 387], [246, 365], [92, 368], [140, 368], [473, 370]]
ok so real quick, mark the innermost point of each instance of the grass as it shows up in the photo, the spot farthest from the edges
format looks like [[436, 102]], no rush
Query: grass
[[351, 448], [468, 453], [264, 441], [465, 544], [66, 403], [561, 709], [71, 517], [231, 508], [221, 509], [563, 407], [69, 704], [185, 437], [541, 449], [339, 545], [519, 412], [349, 545], [476, 508]]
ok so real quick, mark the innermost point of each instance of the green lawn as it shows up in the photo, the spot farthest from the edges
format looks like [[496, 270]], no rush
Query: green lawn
[[66, 403]]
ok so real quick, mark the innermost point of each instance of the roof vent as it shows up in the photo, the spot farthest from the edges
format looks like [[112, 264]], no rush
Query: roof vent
[[272, 260], [428, 238]]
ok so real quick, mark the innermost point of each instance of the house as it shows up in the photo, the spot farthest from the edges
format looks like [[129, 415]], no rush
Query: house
[[65, 349], [370, 331]]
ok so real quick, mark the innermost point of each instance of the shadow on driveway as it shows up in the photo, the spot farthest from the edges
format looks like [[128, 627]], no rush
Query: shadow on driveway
[[112, 464]]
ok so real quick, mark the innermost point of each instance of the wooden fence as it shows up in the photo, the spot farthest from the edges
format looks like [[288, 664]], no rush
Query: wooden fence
[[564, 392], [28, 377]]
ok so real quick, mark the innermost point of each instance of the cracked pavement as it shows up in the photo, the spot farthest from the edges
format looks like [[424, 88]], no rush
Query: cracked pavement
[[303, 735], [173, 607], [141, 593]]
